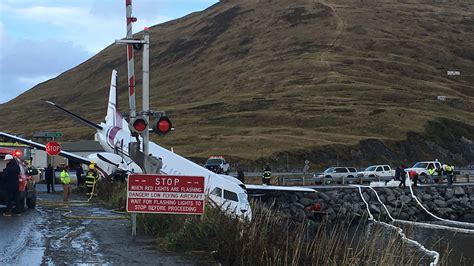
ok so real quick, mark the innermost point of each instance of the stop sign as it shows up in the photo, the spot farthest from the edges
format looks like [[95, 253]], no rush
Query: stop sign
[[53, 148]]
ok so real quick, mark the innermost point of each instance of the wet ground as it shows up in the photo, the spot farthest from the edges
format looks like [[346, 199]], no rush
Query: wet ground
[[77, 233]]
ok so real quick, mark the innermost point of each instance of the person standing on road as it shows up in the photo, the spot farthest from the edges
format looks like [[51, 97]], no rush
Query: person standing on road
[[403, 177], [66, 180], [49, 176], [431, 173], [414, 177], [240, 174], [267, 175], [12, 184], [79, 173], [449, 173]]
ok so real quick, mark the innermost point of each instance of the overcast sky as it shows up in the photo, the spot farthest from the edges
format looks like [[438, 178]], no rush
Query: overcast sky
[[40, 39]]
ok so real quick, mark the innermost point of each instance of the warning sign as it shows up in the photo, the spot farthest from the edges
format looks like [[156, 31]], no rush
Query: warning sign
[[165, 194]]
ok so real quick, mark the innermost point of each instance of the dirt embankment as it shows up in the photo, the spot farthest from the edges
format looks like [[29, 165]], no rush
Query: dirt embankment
[[446, 140]]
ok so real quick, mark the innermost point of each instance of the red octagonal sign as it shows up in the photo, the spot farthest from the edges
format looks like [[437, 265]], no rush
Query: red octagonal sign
[[53, 148]]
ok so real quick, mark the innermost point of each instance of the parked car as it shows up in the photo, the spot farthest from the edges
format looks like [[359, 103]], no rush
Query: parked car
[[338, 172], [378, 171], [27, 188]]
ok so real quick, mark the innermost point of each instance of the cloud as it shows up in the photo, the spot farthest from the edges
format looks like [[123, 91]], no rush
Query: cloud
[[25, 63], [41, 39]]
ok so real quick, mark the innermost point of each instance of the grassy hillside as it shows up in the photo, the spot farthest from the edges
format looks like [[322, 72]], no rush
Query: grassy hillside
[[246, 78]]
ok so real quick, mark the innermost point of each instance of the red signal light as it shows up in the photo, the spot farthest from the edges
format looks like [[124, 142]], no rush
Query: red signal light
[[162, 126], [17, 153], [138, 125]]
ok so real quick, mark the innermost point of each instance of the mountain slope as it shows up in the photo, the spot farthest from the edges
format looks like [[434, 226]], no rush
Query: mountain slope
[[262, 78]]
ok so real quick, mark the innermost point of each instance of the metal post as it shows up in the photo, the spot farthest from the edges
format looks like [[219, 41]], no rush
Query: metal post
[[130, 59], [146, 87]]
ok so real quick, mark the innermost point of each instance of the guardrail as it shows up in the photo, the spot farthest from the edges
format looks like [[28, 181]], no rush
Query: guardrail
[[460, 177]]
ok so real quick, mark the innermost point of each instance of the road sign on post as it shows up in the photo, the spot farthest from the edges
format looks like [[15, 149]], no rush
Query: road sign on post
[[53, 148], [165, 194]]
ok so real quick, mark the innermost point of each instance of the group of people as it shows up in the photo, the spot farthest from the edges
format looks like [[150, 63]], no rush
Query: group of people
[[401, 175], [90, 179]]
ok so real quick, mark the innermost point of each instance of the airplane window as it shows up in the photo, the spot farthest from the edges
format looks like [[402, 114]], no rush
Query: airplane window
[[230, 196], [217, 192]]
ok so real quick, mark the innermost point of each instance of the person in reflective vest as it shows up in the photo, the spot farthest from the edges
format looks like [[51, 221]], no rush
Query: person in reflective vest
[[91, 180], [431, 173], [267, 175], [66, 180], [449, 173]]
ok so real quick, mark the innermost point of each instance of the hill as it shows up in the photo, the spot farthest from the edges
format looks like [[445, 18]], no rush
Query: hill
[[353, 80]]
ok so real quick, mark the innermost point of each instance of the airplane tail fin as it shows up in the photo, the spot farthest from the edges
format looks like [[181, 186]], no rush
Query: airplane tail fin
[[113, 118]]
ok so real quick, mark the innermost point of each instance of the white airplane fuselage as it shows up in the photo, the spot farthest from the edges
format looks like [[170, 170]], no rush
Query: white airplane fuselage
[[229, 195]]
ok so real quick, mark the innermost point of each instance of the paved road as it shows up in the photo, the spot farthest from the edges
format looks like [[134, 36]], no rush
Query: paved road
[[45, 236]]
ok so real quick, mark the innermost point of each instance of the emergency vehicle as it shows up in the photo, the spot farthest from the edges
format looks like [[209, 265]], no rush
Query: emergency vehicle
[[27, 188]]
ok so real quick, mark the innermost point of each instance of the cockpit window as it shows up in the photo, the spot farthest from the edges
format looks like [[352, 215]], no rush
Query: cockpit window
[[243, 198], [217, 192], [230, 195]]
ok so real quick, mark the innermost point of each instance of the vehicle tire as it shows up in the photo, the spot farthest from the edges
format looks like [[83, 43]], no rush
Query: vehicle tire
[[31, 202], [371, 175], [423, 178]]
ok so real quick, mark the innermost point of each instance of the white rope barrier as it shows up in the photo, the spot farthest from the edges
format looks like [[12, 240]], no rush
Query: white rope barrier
[[434, 216], [398, 229]]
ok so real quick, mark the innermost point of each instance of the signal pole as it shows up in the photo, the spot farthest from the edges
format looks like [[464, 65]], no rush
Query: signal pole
[[146, 88]]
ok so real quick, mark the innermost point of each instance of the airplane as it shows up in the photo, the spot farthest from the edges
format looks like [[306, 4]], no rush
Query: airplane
[[115, 137]]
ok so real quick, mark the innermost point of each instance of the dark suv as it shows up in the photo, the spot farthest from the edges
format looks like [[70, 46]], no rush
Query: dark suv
[[27, 190]]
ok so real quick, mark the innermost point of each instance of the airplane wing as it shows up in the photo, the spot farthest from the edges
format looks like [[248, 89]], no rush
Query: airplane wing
[[69, 155], [261, 189]]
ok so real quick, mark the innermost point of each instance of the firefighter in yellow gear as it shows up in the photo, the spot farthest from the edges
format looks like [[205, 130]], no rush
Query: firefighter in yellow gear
[[91, 180]]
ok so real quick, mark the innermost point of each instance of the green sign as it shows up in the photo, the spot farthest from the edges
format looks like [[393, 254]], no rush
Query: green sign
[[48, 134]]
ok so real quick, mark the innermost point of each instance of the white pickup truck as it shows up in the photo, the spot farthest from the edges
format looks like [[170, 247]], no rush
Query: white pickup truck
[[378, 171], [422, 168]]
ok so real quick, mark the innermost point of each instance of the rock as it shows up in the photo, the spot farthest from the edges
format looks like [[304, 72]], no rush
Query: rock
[[282, 198], [306, 201], [324, 196], [382, 198], [347, 205], [342, 211], [299, 216], [444, 211], [366, 196], [356, 208], [388, 192], [449, 193], [426, 197], [452, 201], [293, 198], [440, 203], [390, 198], [298, 205], [469, 217], [453, 217], [312, 195], [405, 199], [397, 203], [374, 208], [459, 191], [346, 197]]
